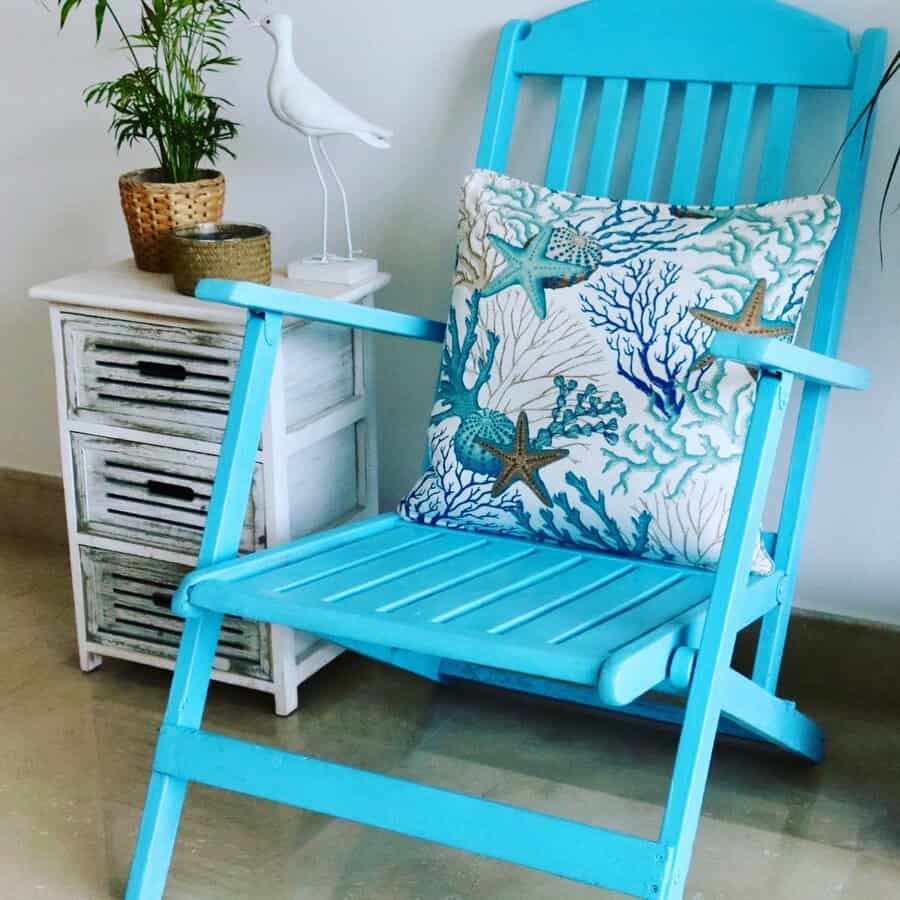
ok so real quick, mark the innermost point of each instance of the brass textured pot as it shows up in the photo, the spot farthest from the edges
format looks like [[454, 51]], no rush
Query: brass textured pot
[[154, 208], [238, 252]]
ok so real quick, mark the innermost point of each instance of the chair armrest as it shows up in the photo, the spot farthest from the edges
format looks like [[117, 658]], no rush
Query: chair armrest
[[304, 306], [778, 356]]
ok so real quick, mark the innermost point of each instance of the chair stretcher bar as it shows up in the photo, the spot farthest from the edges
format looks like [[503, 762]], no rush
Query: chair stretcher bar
[[608, 859]]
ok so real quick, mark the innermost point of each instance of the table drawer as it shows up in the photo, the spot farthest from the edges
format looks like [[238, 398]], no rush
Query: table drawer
[[159, 378], [321, 370], [331, 476], [152, 495], [128, 602]]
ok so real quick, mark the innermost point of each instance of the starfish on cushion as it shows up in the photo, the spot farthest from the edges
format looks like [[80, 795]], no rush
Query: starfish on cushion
[[530, 267], [748, 320], [522, 463]]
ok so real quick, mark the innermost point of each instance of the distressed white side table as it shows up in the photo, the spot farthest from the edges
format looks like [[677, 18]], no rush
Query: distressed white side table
[[143, 379]]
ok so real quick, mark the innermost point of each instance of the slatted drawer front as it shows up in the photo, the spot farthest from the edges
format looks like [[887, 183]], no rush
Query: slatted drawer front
[[128, 601], [153, 495], [152, 377]]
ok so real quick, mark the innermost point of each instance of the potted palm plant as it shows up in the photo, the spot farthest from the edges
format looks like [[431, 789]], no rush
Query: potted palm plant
[[163, 101]]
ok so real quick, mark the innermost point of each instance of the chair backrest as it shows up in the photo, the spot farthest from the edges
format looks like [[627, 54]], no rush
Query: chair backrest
[[746, 47]]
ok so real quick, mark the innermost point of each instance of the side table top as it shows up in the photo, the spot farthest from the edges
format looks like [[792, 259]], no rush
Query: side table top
[[122, 286]]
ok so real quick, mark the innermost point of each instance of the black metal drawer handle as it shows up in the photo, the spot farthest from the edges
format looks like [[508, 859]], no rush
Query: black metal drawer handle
[[162, 370], [172, 491], [162, 600]]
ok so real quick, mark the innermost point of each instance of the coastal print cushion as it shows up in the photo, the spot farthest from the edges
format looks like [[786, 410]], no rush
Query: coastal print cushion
[[577, 402]]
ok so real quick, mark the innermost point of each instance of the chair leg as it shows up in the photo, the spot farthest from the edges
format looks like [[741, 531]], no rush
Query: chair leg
[[707, 692], [775, 720], [156, 838], [165, 795], [770, 647], [692, 762]]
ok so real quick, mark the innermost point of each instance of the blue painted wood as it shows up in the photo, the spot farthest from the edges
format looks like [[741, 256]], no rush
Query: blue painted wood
[[741, 41], [734, 144], [649, 656], [606, 136], [565, 134], [825, 338], [288, 303], [691, 143], [646, 659], [649, 137], [706, 697], [779, 140], [503, 96], [779, 356], [535, 840], [418, 663], [352, 566], [551, 612], [536, 606], [221, 541], [590, 618], [498, 570], [627, 604], [237, 456], [594, 624], [758, 710], [649, 710], [263, 560]]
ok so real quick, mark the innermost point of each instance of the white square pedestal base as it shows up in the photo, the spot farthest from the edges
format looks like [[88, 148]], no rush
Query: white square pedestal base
[[337, 271]]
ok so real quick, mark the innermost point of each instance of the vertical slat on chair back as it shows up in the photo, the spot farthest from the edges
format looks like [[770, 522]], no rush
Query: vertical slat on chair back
[[565, 134], [645, 49], [746, 49], [606, 136], [734, 144], [689, 153], [654, 104], [777, 150], [693, 139]]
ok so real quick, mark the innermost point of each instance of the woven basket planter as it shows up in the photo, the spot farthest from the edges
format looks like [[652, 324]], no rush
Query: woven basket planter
[[154, 208], [238, 252]]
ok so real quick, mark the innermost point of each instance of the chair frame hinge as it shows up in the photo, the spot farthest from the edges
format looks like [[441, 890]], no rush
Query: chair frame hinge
[[181, 603], [784, 391], [681, 667], [785, 590], [271, 326]]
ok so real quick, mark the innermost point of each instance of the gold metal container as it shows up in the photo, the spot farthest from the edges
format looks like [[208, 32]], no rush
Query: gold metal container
[[236, 251]]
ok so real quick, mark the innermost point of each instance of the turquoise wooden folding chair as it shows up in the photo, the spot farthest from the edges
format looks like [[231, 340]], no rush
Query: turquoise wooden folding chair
[[751, 47]]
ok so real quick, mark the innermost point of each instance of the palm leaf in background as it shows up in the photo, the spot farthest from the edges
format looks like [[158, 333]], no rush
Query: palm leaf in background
[[866, 119], [163, 101]]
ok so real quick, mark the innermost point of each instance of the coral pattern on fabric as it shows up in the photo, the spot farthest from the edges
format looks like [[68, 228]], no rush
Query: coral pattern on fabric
[[577, 345]]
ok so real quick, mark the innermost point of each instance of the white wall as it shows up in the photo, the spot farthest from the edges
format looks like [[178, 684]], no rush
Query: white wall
[[423, 70]]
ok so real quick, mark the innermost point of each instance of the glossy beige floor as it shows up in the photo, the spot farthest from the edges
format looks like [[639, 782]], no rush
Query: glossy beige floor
[[75, 750]]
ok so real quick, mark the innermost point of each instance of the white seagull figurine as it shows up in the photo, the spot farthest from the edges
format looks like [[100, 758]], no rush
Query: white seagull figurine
[[300, 103]]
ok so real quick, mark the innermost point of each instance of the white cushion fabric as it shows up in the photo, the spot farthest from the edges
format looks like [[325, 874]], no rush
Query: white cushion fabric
[[576, 401]]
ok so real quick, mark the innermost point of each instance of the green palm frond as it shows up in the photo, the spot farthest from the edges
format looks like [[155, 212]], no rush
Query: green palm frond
[[163, 100], [865, 120]]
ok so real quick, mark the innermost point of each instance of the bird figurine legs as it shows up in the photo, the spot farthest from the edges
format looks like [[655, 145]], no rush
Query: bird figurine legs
[[331, 267], [316, 142], [312, 149], [340, 185]]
